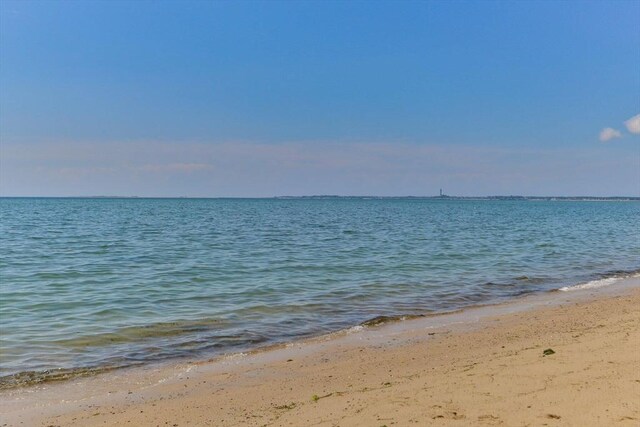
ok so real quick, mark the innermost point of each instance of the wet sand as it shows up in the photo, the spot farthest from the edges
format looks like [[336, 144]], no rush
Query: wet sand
[[483, 366]]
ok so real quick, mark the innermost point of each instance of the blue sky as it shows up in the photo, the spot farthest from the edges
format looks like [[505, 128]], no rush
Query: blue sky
[[291, 98]]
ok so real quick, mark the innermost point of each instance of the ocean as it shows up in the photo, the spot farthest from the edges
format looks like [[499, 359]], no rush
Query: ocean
[[88, 285]]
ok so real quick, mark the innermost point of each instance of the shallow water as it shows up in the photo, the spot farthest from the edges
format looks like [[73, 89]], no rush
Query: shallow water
[[90, 284]]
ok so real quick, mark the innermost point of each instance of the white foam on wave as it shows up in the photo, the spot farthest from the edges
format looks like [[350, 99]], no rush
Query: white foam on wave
[[234, 356], [353, 329], [591, 285]]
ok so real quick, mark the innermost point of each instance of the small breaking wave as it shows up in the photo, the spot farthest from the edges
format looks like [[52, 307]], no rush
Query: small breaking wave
[[599, 283], [591, 285]]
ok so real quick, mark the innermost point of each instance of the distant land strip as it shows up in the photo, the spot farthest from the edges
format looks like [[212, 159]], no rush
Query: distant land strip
[[325, 197]]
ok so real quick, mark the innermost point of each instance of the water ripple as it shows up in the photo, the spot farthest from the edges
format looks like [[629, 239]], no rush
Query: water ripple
[[93, 284]]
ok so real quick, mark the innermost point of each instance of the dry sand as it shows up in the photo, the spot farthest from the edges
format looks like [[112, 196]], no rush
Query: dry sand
[[481, 367]]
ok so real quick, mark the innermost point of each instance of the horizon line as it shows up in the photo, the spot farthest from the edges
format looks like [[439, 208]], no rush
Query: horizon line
[[444, 196]]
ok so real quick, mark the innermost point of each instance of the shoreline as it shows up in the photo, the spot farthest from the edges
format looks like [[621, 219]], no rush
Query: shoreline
[[285, 383], [25, 379], [28, 379]]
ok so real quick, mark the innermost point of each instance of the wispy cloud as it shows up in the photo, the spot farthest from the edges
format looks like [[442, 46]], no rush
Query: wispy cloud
[[633, 124], [608, 134], [154, 168], [175, 167]]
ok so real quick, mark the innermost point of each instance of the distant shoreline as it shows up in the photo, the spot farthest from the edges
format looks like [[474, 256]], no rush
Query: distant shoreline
[[331, 197]]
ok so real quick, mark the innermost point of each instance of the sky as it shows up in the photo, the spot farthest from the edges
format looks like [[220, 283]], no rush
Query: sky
[[259, 99]]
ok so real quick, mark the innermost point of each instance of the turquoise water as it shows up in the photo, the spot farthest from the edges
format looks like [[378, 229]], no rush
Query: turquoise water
[[89, 284]]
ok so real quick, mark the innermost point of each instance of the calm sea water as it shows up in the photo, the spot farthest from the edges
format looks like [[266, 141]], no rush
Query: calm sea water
[[89, 284]]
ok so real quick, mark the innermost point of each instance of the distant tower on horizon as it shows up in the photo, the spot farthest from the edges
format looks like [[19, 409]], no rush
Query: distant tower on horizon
[[441, 192]]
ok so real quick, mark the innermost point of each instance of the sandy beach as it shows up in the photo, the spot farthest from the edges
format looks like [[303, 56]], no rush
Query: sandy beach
[[319, 213], [484, 366]]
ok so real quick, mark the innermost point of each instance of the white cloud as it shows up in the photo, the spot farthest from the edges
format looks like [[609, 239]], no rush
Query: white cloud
[[633, 124], [607, 134]]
